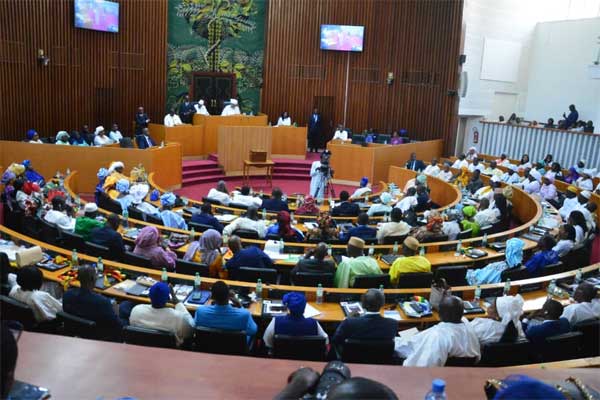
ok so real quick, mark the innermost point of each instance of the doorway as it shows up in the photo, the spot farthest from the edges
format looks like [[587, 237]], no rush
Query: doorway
[[325, 106], [215, 88]]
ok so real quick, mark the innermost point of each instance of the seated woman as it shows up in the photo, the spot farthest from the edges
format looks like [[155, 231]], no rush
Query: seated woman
[[138, 192], [101, 175], [363, 189], [566, 240], [308, 207], [325, 230], [429, 232], [577, 220], [122, 194], [62, 138], [33, 137], [148, 244], [383, 206], [468, 222], [115, 174], [486, 214], [502, 323], [249, 221], [548, 190], [58, 215], [170, 218], [207, 250], [100, 138], [27, 290], [396, 139], [524, 163], [77, 140], [220, 194], [491, 273], [545, 256], [555, 172], [284, 229], [572, 175], [32, 175]]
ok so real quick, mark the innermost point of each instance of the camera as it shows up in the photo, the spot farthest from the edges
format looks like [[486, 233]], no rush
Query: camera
[[334, 373]]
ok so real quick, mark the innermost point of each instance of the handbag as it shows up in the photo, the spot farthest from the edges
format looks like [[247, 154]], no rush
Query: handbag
[[439, 289]]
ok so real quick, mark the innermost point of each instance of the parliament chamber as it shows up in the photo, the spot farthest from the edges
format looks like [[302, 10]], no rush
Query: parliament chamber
[[303, 205]]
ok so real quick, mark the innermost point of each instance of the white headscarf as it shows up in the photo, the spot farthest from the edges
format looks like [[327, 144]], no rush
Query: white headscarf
[[139, 192], [114, 165], [509, 309]]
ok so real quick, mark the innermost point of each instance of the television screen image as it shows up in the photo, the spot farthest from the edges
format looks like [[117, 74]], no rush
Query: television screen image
[[342, 37], [98, 15]]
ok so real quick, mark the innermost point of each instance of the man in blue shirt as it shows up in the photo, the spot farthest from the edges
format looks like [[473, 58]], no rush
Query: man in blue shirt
[[362, 231], [109, 237], [345, 208], [84, 303], [221, 315], [570, 119], [250, 256], [546, 256], [205, 217], [275, 203], [552, 325]]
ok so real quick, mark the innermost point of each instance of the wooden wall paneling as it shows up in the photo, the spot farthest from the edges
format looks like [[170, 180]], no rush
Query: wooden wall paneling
[[235, 143]]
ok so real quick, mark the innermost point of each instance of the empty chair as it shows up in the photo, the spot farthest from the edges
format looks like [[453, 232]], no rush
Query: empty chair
[[552, 269], [96, 250], [368, 351], [460, 361], [148, 337], [313, 279], [136, 259], [562, 347], [246, 233], [49, 233], [454, 275], [249, 274], [372, 281], [199, 227], [591, 333], [190, 268], [76, 326], [72, 240], [299, 347], [415, 280], [209, 340], [504, 354], [394, 239], [14, 310]]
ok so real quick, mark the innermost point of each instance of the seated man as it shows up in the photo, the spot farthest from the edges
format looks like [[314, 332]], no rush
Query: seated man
[[250, 256], [345, 208], [413, 164], [144, 141], [244, 197], [493, 170], [486, 215], [396, 227], [432, 169], [532, 184], [452, 337], [355, 264], [383, 206], [511, 176], [475, 183], [172, 119], [423, 200], [584, 308], [221, 315], [476, 166], [340, 133], [58, 214], [294, 323], [28, 291], [109, 236], [85, 224], [409, 201], [169, 217], [411, 262], [220, 193], [314, 261], [363, 189], [275, 203], [553, 324], [158, 316], [362, 230], [570, 203], [370, 326], [248, 221], [460, 162], [545, 256], [84, 303], [445, 174], [205, 217]]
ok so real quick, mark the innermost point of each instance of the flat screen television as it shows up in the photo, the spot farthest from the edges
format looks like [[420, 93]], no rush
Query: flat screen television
[[342, 37], [97, 15]]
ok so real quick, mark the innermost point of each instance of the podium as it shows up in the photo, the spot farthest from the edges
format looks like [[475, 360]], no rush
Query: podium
[[190, 137], [235, 143], [211, 124], [289, 141]]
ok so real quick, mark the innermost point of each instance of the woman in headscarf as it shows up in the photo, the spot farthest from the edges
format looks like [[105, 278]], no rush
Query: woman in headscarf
[[169, 217], [115, 173], [32, 175], [383, 206], [122, 194], [325, 230], [572, 175], [502, 323], [62, 138], [462, 180], [148, 244], [433, 228], [283, 228], [138, 192], [491, 273], [308, 207], [207, 250], [362, 190], [101, 175], [468, 223], [77, 140], [293, 323], [33, 137]]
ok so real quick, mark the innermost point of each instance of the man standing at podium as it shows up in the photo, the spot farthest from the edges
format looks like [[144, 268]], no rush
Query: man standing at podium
[[186, 110], [231, 109], [314, 130]]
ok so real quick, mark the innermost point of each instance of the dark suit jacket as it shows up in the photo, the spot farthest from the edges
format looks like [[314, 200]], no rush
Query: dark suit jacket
[[313, 125], [89, 305], [275, 205], [370, 326], [361, 231], [538, 333], [142, 141], [140, 122], [346, 209], [416, 165], [313, 265], [106, 236], [207, 219], [186, 112]]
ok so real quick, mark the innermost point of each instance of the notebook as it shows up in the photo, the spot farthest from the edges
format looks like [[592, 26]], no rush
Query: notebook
[[389, 258]]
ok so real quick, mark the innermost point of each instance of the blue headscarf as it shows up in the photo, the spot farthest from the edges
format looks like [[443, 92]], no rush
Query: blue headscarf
[[364, 181], [514, 252], [30, 134], [154, 195], [26, 163], [295, 302], [167, 199], [524, 387], [159, 294], [122, 186], [102, 174]]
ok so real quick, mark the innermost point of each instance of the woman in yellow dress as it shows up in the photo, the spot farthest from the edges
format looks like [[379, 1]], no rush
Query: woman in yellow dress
[[115, 174], [207, 250]]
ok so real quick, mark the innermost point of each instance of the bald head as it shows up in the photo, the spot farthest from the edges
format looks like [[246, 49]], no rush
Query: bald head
[[451, 309], [372, 300], [235, 244]]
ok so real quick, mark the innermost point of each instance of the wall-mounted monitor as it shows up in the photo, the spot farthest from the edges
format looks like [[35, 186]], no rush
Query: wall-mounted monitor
[[97, 15], [342, 37]]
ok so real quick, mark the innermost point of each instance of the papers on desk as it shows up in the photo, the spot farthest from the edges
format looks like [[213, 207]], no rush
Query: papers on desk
[[276, 256], [548, 223], [352, 308], [405, 335], [310, 225], [182, 291], [392, 314], [225, 217], [275, 308], [10, 249], [131, 233], [311, 311]]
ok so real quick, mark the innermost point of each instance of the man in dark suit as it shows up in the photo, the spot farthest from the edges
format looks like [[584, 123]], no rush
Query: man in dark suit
[[414, 164], [205, 217], [553, 324], [275, 203], [346, 208], [362, 230], [144, 140], [84, 303], [314, 131], [314, 262], [109, 236], [186, 110], [371, 326], [141, 121]]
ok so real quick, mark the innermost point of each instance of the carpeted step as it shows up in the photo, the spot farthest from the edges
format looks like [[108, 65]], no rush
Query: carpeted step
[[292, 176], [201, 172], [291, 170], [213, 157], [201, 179]]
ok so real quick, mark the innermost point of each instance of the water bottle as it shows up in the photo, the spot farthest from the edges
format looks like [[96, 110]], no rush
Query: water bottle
[[68, 172], [371, 251], [477, 293], [484, 241], [292, 217], [225, 239], [163, 276], [192, 235], [551, 288], [319, 294], [366, 198], [197, 281], [100, 266], [264, 214], [281, 246], [77, 201], [395, 248], [329, 250], [162, 144], [438, 390], [259, 289], [125, 218], [422, 251], [458, 248], [381, 288], [506, 290], [578, 276], [74, 258]]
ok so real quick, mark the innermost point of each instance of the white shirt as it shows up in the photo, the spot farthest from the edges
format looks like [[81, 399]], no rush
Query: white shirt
[[115, 136], [201, 109], [60, 219], [458, 164], [223, 198], [360, 192], [377, 208], [568, 206], [473, 167], [392, 229], [102, 140], [531, 187], [523, 166], [491, 331], [176, 320], [471, 156], [270, 333], [445, 175], [284, 121], [485, 192], [504, 163], [433, 346], [563, 247], [486, 217], [407, 203], [584, 184], [579, 312], [317, 183], [246, 200], [43, 304], [230, 110], [172, 120], [36, 141], [579, 234], [248, 224], [432, 170], [511, 179], [342, 135], [451, 229]]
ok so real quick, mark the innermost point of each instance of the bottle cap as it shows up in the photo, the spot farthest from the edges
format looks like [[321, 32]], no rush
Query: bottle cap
[[438, 385]]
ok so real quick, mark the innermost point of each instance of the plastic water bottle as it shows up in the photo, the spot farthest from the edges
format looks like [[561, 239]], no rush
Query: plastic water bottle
[[366, 198], [192, 235], [74, 258], [422, 251], [484, 241], [438, 390], [68, 172], [395, 248], [281, 246], [197, 281], [163, 276], [125, 218], [477, 293], [319, 294], [329, 250], [292, 217], [100, 266], [458, 248], [77, 201], [578, 276], [506, 289], [381, 289], [264, 214], [225, 239], [551, 288], [371, 251], [162, 144], [259, 289]]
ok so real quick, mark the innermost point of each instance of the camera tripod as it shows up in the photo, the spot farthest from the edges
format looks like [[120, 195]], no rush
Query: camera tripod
[[326, 184]]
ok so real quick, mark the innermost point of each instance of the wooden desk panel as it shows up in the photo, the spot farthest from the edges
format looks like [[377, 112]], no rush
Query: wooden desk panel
[[235, 143], [190, 137], [212, 123], [289, 141], [49, 158]]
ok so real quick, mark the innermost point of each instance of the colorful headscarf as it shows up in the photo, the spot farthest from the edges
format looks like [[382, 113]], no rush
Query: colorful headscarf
[[385, 198], [17, 169], [114, 165], [469, 211], [295, 303], [155, 195], [167, 199], [364, 181], [60, 135], [308, 207], [434, 221], [422, 179], [30, 187], [7, 177], [463, 178], [26, 163], [514, 252], [209, 245], [122, 186], [102, 174], [147, 237], [159, 294], [30, 134], [521, 387], [139, 192]]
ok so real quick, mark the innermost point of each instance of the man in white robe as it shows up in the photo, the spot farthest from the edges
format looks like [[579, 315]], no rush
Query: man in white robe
[[318, 180], [503, 310], [460, 162], [452, 337], [172, 119], [445, 174], [231, 109], [584, 308], [340, 133], [201, 108], [432, 169]]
